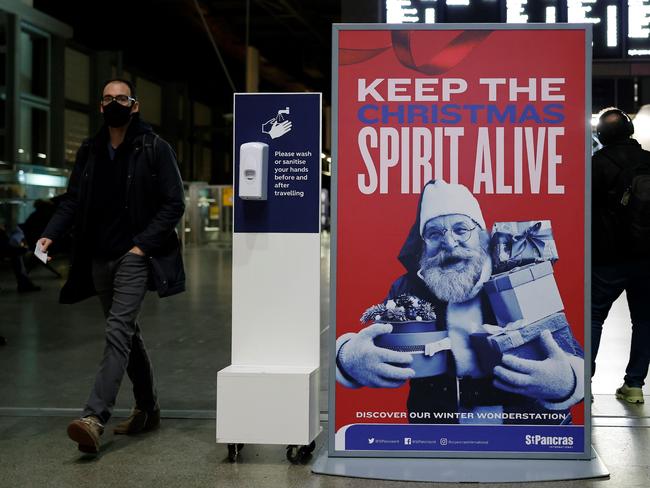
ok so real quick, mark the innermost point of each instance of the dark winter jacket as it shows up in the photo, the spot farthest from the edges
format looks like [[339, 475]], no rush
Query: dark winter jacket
[[154, 201], [440, 393], [611, 241]]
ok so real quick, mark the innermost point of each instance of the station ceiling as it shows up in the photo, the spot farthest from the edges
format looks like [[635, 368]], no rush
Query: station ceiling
[[167, 40]]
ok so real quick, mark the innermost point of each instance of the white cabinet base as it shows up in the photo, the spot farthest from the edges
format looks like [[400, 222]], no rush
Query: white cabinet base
[[267, 405]]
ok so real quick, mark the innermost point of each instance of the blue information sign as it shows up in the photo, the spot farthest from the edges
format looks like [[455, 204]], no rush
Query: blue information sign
[[290, 125]]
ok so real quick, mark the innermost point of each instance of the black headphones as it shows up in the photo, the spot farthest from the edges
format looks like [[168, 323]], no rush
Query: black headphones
[[616, 130]]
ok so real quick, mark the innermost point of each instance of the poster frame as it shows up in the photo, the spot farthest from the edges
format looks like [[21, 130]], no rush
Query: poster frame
[[587, 426]]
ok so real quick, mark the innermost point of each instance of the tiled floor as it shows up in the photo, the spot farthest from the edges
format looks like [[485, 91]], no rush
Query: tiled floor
[[48, 366]]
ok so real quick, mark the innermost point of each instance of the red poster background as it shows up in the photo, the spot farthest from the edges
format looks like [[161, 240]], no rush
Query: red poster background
[[372, 228]]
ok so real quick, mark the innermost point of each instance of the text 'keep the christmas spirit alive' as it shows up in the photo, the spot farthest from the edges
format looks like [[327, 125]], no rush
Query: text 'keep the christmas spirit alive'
[[418, 129]]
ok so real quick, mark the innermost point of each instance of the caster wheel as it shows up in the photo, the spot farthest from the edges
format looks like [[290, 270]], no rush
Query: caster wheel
[[233, 451], [293, 453], [298, 454]]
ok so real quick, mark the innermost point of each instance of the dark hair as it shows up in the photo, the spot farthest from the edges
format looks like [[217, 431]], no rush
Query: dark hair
[[614, 125], [120, 80]]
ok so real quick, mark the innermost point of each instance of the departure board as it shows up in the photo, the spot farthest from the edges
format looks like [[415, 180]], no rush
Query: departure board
[[526, 11], [638, 34], [467, 11], [605, 15], [621, 28]]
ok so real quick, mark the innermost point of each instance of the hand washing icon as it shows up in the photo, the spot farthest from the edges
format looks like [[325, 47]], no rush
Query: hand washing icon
[[281, 114], [278, 125]]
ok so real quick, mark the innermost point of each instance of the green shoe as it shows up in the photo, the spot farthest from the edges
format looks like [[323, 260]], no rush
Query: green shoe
[[630, 394]]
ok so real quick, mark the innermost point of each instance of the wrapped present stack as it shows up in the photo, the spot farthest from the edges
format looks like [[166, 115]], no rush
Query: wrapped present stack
[[515, 244], [520, 339], [522, 286], [522, 292], [414, 331], [528, 294]]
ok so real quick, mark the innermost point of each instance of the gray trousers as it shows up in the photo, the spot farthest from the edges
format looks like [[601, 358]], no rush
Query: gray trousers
[[121, 285]]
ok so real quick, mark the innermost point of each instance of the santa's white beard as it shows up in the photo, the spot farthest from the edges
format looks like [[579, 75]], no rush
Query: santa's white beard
[[452, 275]]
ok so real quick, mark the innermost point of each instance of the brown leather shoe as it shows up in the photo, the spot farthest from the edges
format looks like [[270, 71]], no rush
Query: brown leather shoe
[[86, 432], [138, 421]]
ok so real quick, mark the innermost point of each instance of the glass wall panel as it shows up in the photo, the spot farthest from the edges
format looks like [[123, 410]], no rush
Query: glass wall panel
[[3, 112], [3, 69], [150, 97], [77, 76], [34, 64], [33, 139], [76, 129]]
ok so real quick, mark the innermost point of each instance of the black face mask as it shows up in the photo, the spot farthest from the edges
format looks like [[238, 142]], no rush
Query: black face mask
[[116, 115]]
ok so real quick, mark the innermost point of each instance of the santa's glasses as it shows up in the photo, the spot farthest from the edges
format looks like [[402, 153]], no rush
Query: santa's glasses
[[435, 235]]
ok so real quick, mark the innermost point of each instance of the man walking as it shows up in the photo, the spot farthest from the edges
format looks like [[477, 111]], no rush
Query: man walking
[[124, 200], [620, 259]]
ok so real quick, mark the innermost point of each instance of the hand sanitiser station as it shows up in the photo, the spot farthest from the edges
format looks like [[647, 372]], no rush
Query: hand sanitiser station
[[270, 392], [253, 170]]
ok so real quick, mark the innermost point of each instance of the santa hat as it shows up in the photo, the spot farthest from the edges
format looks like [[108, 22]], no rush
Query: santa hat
[[441, 198]]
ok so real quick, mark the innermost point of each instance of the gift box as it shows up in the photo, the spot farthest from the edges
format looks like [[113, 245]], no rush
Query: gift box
[[415, 331], [515, 244], [528, 293], [521, 340], [429, 350]]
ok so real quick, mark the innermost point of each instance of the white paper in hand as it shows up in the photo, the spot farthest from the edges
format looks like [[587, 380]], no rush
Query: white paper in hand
[[40, 254]]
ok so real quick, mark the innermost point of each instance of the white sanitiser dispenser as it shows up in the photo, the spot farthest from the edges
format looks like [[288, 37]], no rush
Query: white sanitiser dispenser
[[253, 170]]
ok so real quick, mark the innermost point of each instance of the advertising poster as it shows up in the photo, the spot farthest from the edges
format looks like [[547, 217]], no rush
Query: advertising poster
[[460, 234]]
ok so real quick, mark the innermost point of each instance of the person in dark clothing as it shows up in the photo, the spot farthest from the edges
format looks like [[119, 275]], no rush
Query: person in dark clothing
[[446, 259], [33, 228], [619, 261], [15, 250], [124, 199], [37, 221]]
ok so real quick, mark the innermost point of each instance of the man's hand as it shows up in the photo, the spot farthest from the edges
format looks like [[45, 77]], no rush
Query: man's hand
[[44, 244], [136, 250], [549, 379], [374, 366]]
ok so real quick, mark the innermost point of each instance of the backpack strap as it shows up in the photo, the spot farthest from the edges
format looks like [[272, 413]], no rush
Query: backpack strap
[[84, 151], [149, 142], [626, 170], [621, 183], [616, 163]]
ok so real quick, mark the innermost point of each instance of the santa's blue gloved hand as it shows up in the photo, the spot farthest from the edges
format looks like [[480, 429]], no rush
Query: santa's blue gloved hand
[[549, 379], [369, 365]]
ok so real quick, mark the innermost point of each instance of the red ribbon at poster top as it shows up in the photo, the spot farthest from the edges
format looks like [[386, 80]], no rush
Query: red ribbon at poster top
[[401, 42]]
